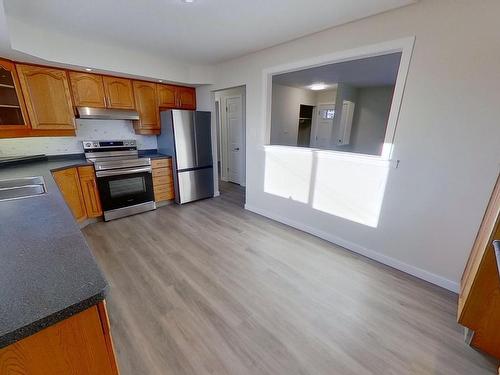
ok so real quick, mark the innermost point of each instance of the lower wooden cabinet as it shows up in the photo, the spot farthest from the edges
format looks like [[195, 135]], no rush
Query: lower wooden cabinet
[[68, 182], [90, 192], [163, 182], [79, 189], [81, 344], [479, 300]]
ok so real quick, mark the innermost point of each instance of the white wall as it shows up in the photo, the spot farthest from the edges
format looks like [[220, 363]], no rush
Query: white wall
[[326, 96], [86, 129], [446, 139], [285, 113], [370, 119]]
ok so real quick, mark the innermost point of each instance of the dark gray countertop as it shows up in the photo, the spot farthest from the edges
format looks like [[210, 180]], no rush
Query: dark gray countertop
[[47, 271]]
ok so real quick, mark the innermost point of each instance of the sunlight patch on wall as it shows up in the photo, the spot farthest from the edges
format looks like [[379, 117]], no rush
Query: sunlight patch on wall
[[350, 189], [288, 173]]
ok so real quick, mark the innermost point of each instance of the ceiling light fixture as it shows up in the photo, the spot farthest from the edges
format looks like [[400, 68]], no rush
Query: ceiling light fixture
[[160, 81], [317, 86], [88, 69], [188, 1]]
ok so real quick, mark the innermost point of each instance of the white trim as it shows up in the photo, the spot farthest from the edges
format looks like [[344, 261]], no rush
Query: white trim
[[403, 45], [381, 258]]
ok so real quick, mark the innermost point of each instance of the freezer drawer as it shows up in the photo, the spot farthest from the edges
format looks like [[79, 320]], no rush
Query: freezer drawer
[[194, 184]]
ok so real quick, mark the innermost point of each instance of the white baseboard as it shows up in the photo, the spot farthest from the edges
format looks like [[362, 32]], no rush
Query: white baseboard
[[216, 194], [384, 259]]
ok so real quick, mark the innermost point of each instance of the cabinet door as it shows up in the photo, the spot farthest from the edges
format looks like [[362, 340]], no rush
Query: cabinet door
[[167, 96], [186, 98], [118, 92], [88, 89], [90, 192], [68, 182], [79, 344], [47, 96], [13, 113], [146, 105]]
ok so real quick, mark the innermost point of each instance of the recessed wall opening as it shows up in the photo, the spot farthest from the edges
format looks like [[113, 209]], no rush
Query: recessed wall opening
[[343, 106]]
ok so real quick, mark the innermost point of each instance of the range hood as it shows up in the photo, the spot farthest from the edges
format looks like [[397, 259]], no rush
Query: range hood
[[106, 113]]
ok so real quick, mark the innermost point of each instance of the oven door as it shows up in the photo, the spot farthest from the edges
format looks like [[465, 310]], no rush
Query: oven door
[[125, 187]]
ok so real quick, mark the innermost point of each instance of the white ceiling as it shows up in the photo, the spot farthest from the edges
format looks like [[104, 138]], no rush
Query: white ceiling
[[205, 32], [372, 71]]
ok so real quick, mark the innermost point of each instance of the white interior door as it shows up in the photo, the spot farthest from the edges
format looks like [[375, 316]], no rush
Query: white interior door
[[323, 128], [234, 122]]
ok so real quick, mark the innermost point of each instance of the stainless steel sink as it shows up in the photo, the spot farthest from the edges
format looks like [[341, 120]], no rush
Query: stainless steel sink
[[24, 187]]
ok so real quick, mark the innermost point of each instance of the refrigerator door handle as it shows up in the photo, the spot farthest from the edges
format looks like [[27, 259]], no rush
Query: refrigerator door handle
[[195, 141]]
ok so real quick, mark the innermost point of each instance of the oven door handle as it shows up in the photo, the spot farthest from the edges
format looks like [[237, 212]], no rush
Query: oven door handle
[[122, 172]]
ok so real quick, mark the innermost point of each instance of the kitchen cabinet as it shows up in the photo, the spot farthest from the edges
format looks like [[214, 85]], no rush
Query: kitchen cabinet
[[146, 104], [88, 90], [13, 114], [79, 189], [186, 98], [119, 92], [163, 182], [178, 97], [80, 344], [90, 192], [68, 182], [48, 98], [479, 299], [167, 96]]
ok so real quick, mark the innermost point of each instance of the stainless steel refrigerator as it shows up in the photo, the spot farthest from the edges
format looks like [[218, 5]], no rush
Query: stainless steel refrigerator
[[186, 135]]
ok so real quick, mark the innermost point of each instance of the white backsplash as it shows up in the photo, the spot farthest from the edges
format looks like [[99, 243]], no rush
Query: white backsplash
[[86, 129]]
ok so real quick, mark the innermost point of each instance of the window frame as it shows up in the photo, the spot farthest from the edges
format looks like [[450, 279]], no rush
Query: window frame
[[404, 46]]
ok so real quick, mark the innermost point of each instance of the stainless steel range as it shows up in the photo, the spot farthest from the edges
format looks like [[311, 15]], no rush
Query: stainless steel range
[[124, 180]]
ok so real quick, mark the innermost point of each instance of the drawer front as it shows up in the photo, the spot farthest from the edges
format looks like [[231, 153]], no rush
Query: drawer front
[[164, 192], [160, 163], [162, 180], [86, 171], [162, 172]]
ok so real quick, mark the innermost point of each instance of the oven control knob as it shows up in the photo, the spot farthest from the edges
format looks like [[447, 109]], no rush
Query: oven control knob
[[88, 144], [96, 144]]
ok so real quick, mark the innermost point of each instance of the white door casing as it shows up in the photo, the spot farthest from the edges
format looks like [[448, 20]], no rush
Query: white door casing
[[234, 126]]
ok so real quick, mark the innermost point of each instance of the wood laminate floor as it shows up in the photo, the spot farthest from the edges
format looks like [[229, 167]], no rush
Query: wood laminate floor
[[209, 288]]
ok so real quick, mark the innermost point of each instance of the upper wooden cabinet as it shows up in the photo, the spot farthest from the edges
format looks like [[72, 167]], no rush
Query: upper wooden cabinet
[[13, 113], [48, 98], [186, 98], [119, 93], [145, 95], [88, 90], [176, 97], [167, 96]]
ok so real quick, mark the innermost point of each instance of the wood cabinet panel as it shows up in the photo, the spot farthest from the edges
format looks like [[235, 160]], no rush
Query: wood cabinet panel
[[48, 97], [68, 182], [158, 172], [119, 92], [13, 114], [167, 96], [77, 345], [186, 98], [90, 191], [146, 103], [159, 163], [479, 300], [88, 89]]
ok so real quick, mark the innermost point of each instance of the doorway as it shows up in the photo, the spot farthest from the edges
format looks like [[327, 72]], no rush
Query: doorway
[[230, 117]]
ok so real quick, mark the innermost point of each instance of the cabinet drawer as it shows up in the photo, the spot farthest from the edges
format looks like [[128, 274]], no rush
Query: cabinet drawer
[[159, 163], [162, 180], [158, 172], [164, 192]]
